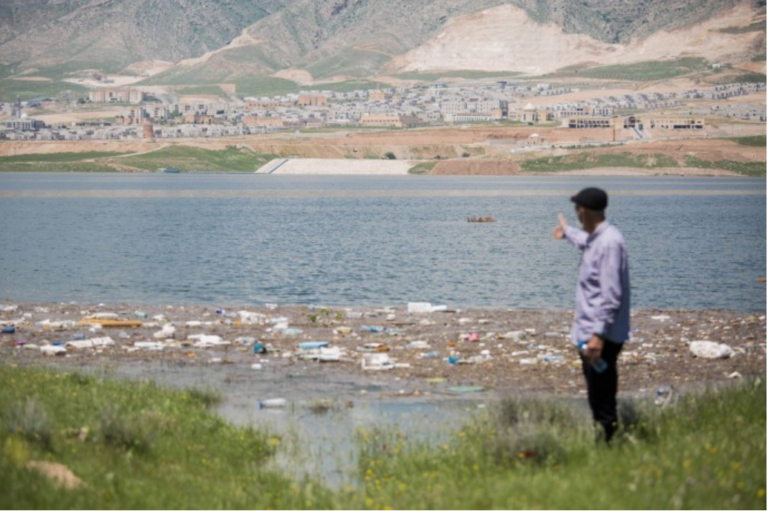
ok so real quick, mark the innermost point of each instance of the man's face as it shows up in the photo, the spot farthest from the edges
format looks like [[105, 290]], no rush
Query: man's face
[[581, 214]]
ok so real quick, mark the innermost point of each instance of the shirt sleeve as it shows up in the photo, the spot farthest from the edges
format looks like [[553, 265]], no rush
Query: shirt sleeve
[[610, 288], [577, 237]]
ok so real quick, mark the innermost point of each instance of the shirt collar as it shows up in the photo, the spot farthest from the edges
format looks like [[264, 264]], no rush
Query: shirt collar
[[600, 228]]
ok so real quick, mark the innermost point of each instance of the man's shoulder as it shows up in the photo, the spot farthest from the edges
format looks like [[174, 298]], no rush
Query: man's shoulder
[[612, 235]]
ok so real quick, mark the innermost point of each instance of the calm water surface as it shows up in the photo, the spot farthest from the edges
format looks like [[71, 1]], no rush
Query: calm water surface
[[223, 239]]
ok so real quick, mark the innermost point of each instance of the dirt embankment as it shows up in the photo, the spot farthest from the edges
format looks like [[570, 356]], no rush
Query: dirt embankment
[[476, 168], [473, 151]]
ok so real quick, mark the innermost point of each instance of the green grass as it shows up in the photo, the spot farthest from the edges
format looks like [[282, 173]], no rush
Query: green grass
[[422, 168], [751, 168], [587, 160], [349, 62], [203, 90], [641, 71], [754, 27], [256, 85], [192, 159], [756, 141], [349, 86], [748, 78], [58, 162], [705, 452], [433, 76], [56, 167], [146, 447], [10, 89], [57, 157], [149, 447]]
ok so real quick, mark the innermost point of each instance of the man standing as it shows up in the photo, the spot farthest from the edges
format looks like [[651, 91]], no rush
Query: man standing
[[601, 321]]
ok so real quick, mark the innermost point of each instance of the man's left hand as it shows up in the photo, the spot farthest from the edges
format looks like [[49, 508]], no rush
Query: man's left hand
[[594, 349]]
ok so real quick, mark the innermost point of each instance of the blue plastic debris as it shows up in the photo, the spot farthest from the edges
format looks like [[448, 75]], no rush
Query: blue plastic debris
[[313, 345], [9, 330]]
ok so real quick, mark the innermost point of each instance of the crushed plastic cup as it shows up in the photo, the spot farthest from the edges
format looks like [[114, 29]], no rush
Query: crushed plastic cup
[[259, 349]]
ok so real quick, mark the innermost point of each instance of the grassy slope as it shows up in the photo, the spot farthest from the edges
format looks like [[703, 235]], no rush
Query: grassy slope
[[146, 448], [588, 160], [58, 162], [183, 157], [433, 76], [152, 448], [705, 453], [24, 89], [197, 159], [639, 71]]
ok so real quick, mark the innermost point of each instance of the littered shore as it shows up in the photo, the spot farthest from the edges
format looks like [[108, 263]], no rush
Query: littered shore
[[419, 353]]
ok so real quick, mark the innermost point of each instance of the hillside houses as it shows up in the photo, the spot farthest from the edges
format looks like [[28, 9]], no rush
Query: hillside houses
[[390, 108]]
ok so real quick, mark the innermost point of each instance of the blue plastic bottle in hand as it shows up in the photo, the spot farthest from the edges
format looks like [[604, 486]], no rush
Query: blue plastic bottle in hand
[[599, 365]]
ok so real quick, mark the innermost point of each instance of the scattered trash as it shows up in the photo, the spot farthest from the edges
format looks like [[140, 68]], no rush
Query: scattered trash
[[252, 318], [329, 354], [168, 332], [140, 314], [419, 307], [663, 395], [711, 350], [8, 330], [377, 362], [418, 345], [51, 350], [292, 332], [104, 315], [515, 335], [277, 402], [112, 323], [373, 329], [373, 347], [256, 366], [313, 345], [206, 341], [467, 389], [735, 375], [149, 346], [259, 349], [96, 342], [661, 317]]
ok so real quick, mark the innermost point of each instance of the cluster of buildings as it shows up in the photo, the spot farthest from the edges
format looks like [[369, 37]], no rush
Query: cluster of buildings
[[431, 105]]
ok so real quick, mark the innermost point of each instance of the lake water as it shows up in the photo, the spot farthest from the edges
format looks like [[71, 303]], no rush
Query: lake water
[[251, 239]]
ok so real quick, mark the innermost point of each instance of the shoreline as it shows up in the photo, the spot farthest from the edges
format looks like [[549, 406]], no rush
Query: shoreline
[[427, 355]]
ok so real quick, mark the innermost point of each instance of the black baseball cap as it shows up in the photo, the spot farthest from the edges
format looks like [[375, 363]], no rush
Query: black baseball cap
[[591, 198]]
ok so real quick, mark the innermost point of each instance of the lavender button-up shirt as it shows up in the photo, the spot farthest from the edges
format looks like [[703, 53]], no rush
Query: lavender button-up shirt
[[602, 296]]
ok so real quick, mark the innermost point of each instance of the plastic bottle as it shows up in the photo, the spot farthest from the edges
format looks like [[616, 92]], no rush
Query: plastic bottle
[[599, 365], [277, 402]]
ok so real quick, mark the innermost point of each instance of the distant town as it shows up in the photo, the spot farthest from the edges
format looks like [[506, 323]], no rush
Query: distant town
[[146, 117]]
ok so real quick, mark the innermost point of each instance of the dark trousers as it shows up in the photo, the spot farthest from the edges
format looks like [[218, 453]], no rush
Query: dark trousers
[[602, 388]]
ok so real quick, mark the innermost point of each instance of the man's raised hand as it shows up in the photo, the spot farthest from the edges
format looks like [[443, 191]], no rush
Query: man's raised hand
[[559, 231]]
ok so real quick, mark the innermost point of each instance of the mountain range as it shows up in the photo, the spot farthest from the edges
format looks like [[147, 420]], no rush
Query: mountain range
[[218, 41]]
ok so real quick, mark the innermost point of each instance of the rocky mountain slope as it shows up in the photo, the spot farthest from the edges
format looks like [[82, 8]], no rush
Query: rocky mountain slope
[[111, 34], [225, 40]]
